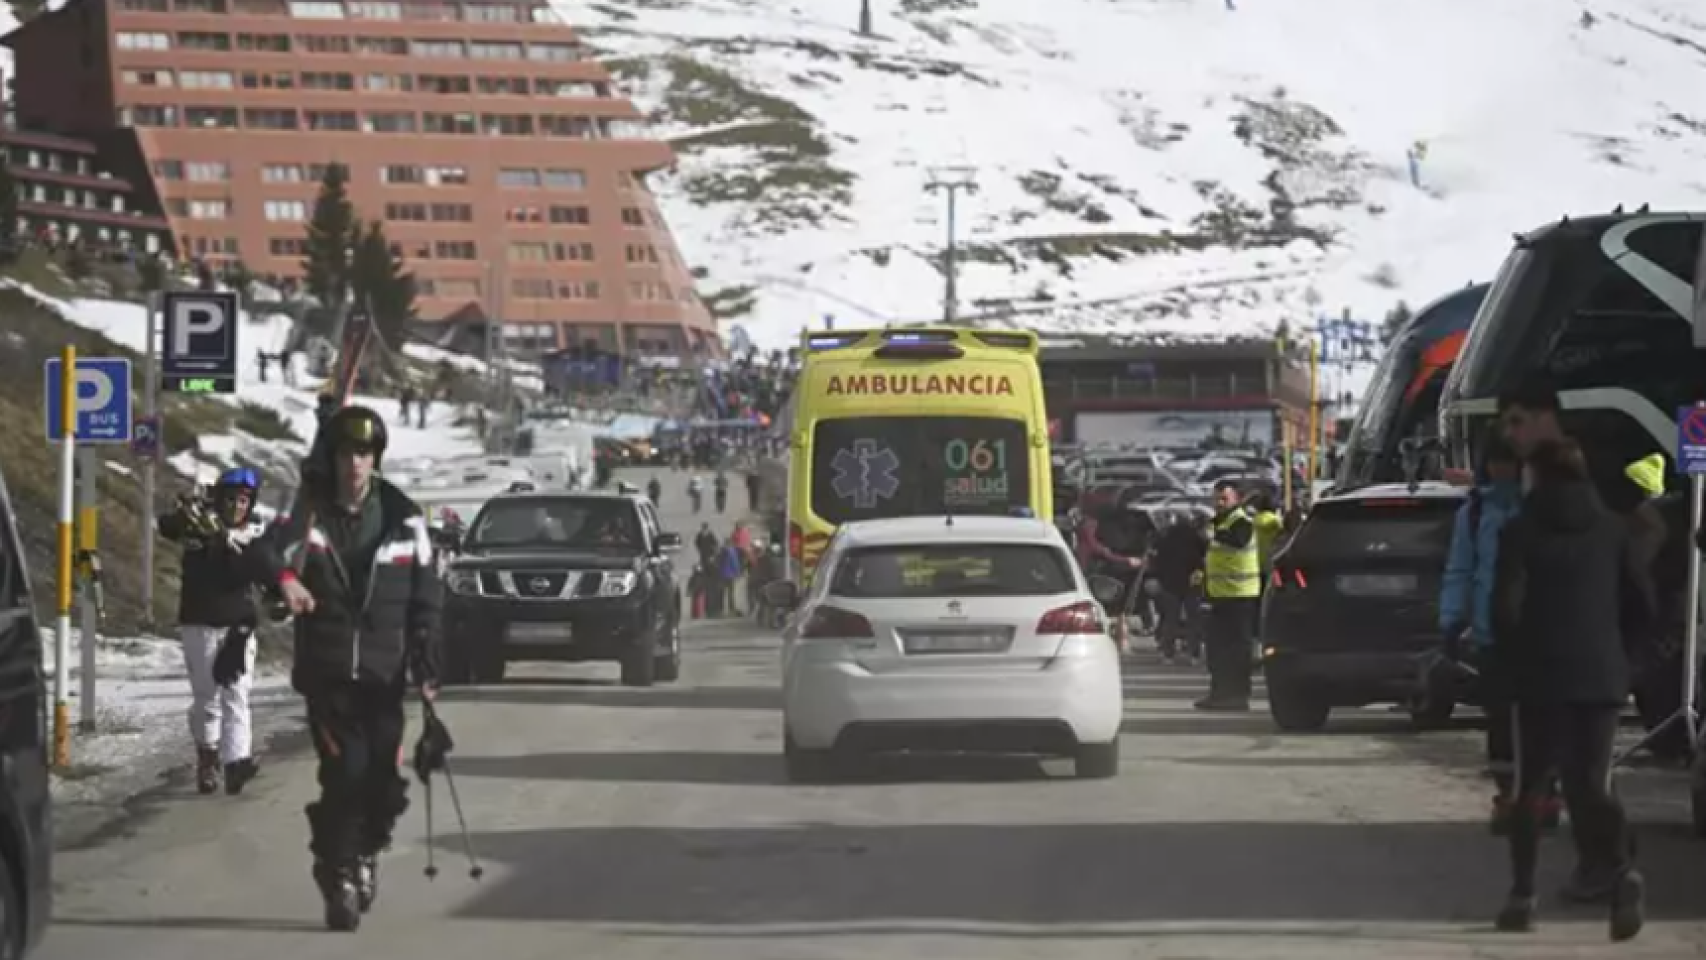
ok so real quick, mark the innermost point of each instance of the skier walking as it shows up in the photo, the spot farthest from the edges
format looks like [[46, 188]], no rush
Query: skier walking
[[366, 603], [721, 491], [216, 624]]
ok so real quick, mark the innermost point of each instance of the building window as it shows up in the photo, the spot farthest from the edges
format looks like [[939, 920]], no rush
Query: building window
[[447, 85], [211, 118], [650, 290], [270, 119], [209, 209], [401, 174], [168, 169], [207, 171], [577, 128], [447, 176], [518, 177], [388, 83], [633, 217], [524, 215], [565, 179], [324, 44], [532, 288], [507, 125], [317, 171], [642, 253], [286, 211], [316, 10], [432, 12], [201, 6], [504, 86], [375, 11], [211, 246], [453, 213], [145, 6], [206, 80], [458, 124], [553, 52], [328, 81], [382, 46], [570, 89], [431, 287], [485, 50], [263, 42], [493, 13], [406, 212], [578, 252], [529, 252], [148, 115], [287, 246], [343, 121], [571, 216], [199, 40], [577, 290], [281, 80], [455, 250], [390, 123], [283, 173], [148, 78], [436, 48], [135, 40]]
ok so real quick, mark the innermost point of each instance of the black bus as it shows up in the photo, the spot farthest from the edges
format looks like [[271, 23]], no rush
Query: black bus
[[1403, 397], [1599, 307]]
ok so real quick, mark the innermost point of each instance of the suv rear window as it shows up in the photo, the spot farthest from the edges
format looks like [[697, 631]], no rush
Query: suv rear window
[[957, 570], [1419, 526]]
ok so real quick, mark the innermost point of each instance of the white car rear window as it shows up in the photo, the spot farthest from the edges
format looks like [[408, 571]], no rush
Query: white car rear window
[[954, 570]]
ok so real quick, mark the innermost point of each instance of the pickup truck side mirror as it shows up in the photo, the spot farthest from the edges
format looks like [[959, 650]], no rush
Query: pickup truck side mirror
[[668, 542]]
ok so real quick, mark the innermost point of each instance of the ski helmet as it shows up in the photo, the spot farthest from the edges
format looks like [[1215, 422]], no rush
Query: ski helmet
[[240, 478], [356, 428]]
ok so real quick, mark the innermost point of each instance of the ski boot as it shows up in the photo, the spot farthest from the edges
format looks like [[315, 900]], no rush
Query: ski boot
[[206, 770], [238, 774], [343, 901], [366, 881]]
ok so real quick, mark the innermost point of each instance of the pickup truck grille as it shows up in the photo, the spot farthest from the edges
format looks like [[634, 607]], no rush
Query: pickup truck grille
[[541, 584]]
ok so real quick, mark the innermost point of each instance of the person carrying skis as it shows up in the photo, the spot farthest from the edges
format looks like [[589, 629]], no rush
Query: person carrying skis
[[216, 624], [366, 601]]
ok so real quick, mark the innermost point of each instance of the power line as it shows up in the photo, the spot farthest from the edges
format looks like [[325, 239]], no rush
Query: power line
[[951, 181]]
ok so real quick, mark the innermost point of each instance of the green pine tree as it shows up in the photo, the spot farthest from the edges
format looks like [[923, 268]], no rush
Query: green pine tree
[[332, 233], [381, 282]]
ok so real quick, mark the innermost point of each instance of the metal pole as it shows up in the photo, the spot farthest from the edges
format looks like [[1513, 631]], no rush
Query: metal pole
[[1314, 408], [1691, 629], [88, 615], [951, 298], [67, 515], [150, 410]]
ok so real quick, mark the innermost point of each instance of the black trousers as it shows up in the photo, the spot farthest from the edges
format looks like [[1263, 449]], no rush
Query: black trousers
[[358, 735], [1576, 740], [1172, 631], [1231, 627]]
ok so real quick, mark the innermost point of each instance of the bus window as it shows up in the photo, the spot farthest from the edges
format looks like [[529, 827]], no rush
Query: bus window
[[866, 468]]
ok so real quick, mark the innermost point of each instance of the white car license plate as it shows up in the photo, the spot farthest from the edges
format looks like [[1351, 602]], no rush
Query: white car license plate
[[539, 632], [957, 642], [1378, 585]]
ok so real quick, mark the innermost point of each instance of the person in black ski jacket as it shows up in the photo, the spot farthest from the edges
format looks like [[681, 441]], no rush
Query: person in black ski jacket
[[216, 624], [1568, 589], [1179, 553], [366, 599]]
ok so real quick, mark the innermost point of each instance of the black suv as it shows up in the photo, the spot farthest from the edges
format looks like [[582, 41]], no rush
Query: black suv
[[565, 577], [26, 810], [1352, 605]]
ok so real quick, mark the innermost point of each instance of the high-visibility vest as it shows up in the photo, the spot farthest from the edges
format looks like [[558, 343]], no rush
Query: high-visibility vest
[[1232, 573], [1268, 527]]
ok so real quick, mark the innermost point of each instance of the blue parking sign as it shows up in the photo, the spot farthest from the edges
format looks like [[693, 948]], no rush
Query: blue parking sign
[[103, 400]]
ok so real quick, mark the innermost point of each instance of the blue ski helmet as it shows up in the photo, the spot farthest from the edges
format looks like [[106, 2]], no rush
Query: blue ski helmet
[[243, 478]]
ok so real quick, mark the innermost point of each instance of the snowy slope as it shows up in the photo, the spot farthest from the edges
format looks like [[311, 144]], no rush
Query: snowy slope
[[1145, 165]]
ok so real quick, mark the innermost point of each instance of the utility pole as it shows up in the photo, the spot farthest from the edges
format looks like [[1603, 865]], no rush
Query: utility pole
[[951, 180], [864, 18]]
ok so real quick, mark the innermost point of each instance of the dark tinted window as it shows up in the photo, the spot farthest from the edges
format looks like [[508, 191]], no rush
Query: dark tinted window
[[867, 468], [532, 521], [1378, 528], [960, 570]]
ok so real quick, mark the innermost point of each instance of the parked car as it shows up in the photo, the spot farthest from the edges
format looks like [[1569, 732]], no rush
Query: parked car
[[26, 802]]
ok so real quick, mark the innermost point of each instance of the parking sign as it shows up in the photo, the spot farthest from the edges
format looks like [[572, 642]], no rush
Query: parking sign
[[200, 350], [103, 400]]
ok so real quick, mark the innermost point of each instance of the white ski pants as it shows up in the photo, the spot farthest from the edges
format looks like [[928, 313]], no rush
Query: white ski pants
[[219, 716]]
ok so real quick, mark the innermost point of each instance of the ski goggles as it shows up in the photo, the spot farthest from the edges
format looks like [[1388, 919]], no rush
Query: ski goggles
[[242, 478]]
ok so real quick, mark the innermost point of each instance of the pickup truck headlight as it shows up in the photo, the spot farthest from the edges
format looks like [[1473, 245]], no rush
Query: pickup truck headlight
[[465, 583], [618, 584]]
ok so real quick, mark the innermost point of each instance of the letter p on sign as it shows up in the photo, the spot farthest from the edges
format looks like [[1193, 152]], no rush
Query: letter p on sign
[[191, 319], [94, 390]]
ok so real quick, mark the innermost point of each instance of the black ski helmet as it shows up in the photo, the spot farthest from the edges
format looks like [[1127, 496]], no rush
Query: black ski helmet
[[357, 427]]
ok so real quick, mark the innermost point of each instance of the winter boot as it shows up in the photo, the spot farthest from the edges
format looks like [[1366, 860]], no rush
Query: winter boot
[[366, 881], [1517, 915], [206, 770], [338, 889], [238, 774]]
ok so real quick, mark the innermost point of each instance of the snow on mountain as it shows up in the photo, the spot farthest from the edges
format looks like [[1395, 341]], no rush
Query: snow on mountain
[[1165, 166]]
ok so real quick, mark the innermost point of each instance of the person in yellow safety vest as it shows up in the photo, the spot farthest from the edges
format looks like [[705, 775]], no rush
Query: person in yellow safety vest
[[1269, 525], [1232, 584]]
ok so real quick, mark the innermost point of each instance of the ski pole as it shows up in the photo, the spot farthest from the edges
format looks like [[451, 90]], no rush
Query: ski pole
[[432, 866], [475, 871]]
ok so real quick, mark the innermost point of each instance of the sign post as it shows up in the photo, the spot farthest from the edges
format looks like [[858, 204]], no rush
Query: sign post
[[146, 444], [87, 402], [200, 346], [1691, 457], [88, 608]]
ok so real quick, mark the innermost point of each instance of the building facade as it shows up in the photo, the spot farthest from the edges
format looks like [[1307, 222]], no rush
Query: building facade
[[69, 195], [507, 170]]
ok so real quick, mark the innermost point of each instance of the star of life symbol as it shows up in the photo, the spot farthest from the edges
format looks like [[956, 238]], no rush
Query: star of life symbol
[[866, 474]]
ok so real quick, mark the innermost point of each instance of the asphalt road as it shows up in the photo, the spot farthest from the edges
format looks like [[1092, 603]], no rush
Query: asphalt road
[[623, 824]]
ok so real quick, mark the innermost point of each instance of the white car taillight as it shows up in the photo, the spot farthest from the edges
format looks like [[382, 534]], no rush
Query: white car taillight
[[834, 623], [1082, 617]]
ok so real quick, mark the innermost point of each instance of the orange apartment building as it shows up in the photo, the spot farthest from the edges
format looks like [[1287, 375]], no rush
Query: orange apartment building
[[507, 169]]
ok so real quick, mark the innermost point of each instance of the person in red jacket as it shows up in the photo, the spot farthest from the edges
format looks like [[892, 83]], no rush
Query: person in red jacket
[[1094, 557]]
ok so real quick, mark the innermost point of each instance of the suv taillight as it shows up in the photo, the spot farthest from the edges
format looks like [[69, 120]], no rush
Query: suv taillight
[[834, 623], [1082, 617], [796, 541], [1283, 578]]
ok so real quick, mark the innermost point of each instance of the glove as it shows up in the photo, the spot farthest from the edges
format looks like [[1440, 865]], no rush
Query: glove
[[421, 672], [434, 744], [232, 660]]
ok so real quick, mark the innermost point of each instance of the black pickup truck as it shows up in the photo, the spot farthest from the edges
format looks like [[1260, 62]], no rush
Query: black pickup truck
[[567, 578]]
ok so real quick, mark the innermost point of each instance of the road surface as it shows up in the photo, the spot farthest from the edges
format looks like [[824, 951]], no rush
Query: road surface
[[621, 824]]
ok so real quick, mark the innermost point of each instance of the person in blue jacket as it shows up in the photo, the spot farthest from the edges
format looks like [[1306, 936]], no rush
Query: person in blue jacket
[[1466, 597]]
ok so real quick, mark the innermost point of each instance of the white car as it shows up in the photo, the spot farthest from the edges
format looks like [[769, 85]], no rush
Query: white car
[[969, 634]]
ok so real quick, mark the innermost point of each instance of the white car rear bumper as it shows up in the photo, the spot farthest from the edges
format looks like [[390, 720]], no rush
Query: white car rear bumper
[[826, 690]]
